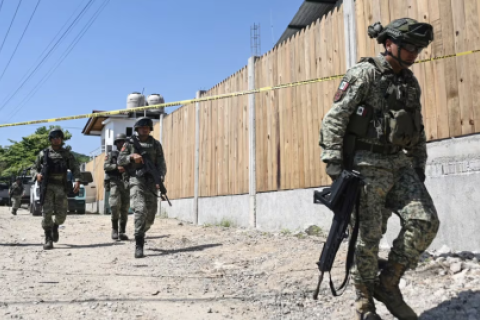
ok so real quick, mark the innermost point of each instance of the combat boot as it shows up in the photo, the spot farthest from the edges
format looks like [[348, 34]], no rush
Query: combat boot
[[139, 241], [115, 229], [55, 235], [387, 291], [14, 212], [122, 235], [48, 245], [364, 305]]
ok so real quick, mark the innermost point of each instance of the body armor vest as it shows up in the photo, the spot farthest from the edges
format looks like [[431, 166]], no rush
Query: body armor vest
[[56, 164], [396, 118], [113, 160]]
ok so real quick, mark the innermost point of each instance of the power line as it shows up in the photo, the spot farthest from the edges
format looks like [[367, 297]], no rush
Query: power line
[[11, 23], [1, 5], [48, 54], [19, 41], [65, 54]]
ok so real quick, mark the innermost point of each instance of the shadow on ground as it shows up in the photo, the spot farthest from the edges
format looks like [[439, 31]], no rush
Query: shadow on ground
[[187, 249], [20, 244], [95, 245], [465, 306]]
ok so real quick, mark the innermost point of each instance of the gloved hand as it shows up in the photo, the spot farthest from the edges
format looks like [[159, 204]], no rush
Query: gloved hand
[[334, 170], [420, 174]]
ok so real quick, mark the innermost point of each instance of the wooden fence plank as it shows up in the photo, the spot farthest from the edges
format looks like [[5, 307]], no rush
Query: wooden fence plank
[[214, 151], [360, 22], [281, 62], [313, 98], [322, 72], [437, 49], [450, 68], [462, 70], [308, 122], [289, 116], [269, 122], [300, 120], [472, 9]]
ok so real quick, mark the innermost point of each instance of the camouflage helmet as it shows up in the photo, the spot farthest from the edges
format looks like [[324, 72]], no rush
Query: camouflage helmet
[[120, 136], [144, 122], [55, 132], [403, 30]]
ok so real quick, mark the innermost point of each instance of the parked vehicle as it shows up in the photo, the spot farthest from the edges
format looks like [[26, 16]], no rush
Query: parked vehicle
[[4, 197], [76, 202]]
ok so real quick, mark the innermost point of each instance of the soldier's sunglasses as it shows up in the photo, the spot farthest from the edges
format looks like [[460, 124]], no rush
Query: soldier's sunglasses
[[412, 48]]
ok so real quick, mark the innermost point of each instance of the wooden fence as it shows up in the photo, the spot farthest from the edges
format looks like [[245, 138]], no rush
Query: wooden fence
[[288, 120]]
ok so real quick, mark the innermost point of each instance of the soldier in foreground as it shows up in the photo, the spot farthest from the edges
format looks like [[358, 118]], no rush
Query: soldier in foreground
[[119, 197], [375, 127], [143, 189], [55, 161], [16, 192]]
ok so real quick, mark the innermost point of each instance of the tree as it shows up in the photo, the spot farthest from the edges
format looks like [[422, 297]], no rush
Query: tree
[[22, 154]]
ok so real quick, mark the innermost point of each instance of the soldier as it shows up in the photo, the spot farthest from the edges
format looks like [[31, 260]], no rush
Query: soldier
[[143, 190], [55, 202], [16, 192], [375, 127], [118, 185]]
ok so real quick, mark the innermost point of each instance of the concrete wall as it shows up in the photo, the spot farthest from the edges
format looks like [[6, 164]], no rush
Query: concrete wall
[[212, 210]]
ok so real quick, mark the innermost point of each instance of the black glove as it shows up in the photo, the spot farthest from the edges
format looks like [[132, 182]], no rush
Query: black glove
[[334, 170], [420, 174]]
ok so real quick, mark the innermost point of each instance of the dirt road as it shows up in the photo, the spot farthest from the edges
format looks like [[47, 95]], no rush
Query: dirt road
[[194, 273]]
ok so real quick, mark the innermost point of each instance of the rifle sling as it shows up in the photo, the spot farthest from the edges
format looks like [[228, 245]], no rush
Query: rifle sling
[[351, 251]]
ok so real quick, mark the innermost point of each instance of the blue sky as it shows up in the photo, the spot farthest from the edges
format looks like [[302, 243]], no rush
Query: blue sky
[[169, 47]]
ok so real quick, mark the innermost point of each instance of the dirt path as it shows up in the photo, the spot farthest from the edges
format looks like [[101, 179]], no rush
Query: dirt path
[[192, 273]]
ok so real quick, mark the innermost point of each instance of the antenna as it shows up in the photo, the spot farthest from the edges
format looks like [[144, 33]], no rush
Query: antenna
[[255, 45]]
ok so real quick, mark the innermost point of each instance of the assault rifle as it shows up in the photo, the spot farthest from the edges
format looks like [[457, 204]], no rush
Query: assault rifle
[[44, 173], [149, 168], [341, 198]]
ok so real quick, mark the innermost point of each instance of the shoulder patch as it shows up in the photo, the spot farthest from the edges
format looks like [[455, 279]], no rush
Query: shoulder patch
[[342, 88]]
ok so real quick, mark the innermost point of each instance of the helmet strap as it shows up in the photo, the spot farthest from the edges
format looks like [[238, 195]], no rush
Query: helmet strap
[[399, 60]]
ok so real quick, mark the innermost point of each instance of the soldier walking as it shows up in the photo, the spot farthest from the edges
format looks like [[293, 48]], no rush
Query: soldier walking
[[375, 127], [16, 192], [143, 189], [58, 160], [119, 195]]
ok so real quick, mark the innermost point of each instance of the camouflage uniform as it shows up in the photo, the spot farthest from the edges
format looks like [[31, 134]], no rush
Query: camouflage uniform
[[392, 183], [56, 202], [16, 191], [143, 192], [119, 195]]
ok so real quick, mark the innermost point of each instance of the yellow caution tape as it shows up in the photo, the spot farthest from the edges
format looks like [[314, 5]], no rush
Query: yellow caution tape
[[211, 98]]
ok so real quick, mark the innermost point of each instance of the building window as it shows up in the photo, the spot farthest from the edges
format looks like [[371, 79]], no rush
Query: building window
[[103, 145], [129, 131]]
